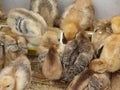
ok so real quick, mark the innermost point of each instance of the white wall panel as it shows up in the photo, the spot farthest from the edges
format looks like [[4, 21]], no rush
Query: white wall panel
[[104, 8]]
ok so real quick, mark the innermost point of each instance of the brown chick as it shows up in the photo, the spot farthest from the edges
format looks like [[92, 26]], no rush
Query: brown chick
[[17, 75], [47, 9], [52, 37], [8, 48], [109, 58], [52, 67], [115, 20], [47, 40], [13, 45], [77, 16], [102, 30], [20, 41], [87, 80], [115, 81]]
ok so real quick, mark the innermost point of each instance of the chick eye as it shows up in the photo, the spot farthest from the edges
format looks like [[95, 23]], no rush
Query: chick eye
[[7, 86], [58, 39]]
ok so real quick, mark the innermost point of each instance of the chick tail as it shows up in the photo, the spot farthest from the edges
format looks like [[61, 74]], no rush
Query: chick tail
[[81, 80], [51, 56]]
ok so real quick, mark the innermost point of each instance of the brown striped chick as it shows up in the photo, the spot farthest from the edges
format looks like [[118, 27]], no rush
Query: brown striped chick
[[60, 35], [28, 24], [8, 48], [47, 40], [77, 16], [20, 41], [87, 80], [53, 37], [115, 23], [115, 81], [102, 30], [47, 9], [109, 58], [52, 67], [13, 45], [17, 75]]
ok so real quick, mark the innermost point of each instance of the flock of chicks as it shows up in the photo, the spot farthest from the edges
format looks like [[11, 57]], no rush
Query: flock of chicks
[[69, 54]]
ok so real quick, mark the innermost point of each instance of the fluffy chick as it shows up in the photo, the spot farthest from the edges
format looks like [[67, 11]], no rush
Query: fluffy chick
[[77, 55], [52, 37], [17, 75], [47, 9], [20, 41], [47, 40], [87, 80], [115, 21], [28, 24], [12, 46], [79, 15], [52, 67], [102, 30], [109, 59]]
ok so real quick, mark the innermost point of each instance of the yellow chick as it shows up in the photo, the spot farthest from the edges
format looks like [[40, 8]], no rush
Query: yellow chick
[[17, 75], [109, 58], [87, 80], [47, 9], [77, 16], [102, 30], [52, 67], [28, 24], [115, 20]]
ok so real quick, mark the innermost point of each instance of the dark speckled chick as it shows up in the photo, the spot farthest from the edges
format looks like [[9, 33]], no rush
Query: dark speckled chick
[[77, 55]]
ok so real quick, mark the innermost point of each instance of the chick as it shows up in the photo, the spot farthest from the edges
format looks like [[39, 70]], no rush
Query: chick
[[17, 75], [28, 24], [8, 48], [77, 55], [115, 20], [87, 80], [54, 36], [52, 67], [102, 30], [47, 9], [109, 58], [79, 15], [20, 41], [12, 45], [115, 81]]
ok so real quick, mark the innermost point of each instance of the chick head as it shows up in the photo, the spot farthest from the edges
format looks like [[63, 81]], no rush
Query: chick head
[[7, 83], [70, 32], [98, 65], [49, 39], [115, 23]]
